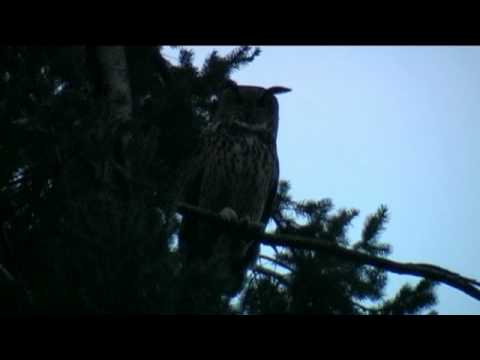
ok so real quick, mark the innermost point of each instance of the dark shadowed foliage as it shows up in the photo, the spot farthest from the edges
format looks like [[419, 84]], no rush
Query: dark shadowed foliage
[[88, 225]]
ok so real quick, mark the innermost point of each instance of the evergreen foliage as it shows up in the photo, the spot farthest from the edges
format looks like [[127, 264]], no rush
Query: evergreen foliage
[[312, 282], [88, 225]]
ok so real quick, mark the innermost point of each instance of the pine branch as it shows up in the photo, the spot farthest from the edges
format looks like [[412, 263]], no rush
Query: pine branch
[[262, 270], [277, 262], [363, 308], [432, 272]]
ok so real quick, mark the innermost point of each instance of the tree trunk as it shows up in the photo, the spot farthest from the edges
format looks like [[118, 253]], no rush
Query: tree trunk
[[115, 71]]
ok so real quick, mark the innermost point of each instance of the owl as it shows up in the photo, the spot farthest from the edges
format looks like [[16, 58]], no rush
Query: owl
[[235, 173]]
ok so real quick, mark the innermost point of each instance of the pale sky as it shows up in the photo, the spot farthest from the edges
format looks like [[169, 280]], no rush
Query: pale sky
[[393, 125]]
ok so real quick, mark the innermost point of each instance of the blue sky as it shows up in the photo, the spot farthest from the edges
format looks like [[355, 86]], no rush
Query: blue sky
[[371, 125]]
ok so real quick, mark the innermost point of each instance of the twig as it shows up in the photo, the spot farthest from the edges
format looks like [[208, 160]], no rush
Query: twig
[[6, 274], [432, 272], [277, 262], [281, 279], [18, 285], [363, 308]]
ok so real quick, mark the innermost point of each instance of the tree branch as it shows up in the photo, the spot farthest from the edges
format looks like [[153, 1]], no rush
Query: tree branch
[[17, 285], [262, 270], [364, 308], [6, 274], [277, 262], [432, 272]]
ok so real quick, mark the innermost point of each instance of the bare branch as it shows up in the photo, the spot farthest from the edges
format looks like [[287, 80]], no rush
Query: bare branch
[[210, 216], [432, 272]]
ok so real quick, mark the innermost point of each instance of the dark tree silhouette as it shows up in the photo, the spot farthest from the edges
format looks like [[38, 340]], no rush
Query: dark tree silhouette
[[92, 144]]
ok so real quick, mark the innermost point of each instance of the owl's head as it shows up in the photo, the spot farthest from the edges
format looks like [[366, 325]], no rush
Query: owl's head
[[252, 107]]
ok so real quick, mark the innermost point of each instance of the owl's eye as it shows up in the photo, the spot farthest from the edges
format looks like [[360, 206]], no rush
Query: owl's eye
[[234, 92], [237, 96]]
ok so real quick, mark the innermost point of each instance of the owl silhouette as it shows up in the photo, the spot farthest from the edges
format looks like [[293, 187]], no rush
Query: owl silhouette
[[235, 173]]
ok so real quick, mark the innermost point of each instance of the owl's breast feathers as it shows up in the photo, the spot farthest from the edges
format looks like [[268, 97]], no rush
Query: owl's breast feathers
[[241, 171], [232, 168]]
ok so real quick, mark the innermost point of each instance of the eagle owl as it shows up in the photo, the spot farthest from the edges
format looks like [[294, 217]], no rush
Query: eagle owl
[[235, 173]]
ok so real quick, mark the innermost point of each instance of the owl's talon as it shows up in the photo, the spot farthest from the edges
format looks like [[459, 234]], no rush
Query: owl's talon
[[228, 214], [245, 220]]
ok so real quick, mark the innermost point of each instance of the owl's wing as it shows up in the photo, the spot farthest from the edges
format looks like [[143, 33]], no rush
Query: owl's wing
[[268, 209]]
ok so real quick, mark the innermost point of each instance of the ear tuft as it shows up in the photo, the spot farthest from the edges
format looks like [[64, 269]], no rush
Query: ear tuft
[[278, 90]]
